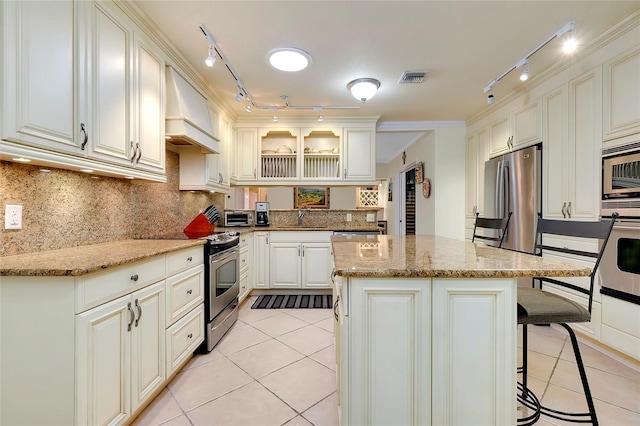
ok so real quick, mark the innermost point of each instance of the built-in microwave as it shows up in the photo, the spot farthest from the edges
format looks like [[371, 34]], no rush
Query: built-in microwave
[[238, 218], [621, 180]]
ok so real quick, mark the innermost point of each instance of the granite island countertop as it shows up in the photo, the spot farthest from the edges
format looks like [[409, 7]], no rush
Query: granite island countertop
[[431, 256], [74, 261]]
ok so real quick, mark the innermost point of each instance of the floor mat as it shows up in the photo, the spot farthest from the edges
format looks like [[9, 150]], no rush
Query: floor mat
[[293, 301]]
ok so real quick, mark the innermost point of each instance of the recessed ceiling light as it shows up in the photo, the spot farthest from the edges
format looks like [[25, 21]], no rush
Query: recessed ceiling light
[[289, 59]]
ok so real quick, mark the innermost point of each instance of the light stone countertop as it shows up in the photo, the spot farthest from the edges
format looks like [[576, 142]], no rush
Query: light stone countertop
[[430, 256], [82, 260]]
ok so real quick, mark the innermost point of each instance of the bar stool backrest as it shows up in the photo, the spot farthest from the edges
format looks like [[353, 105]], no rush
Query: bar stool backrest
[[499, 224]]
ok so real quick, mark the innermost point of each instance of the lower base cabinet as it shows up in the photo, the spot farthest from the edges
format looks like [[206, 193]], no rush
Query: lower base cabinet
[[120, 359], [300, 259], [95, 349], [426, 351]]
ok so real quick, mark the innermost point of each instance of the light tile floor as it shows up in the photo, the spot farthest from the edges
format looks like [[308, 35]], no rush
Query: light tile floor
[[277, 367]]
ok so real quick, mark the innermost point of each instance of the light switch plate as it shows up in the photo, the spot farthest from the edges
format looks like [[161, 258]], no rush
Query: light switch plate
[[349, 217], [371, 217], [12, 217]]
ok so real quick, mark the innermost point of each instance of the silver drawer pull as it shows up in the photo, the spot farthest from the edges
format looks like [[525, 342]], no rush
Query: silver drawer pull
[[189, 259], [189, 291], [190, 335], [134, 277], [139, 311]]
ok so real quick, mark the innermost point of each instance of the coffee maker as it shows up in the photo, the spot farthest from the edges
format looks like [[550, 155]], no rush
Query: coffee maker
[[262, 214]]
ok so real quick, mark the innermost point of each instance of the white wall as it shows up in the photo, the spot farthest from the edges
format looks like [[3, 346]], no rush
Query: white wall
[[443, 152]]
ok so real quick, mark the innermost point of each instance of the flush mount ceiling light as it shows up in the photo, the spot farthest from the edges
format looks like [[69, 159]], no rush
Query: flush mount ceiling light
[[567, 28], [363, 89], [289, 59]]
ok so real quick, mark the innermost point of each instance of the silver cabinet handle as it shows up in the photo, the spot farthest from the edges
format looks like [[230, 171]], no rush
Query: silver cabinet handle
[[267, 240], [189, 259], [298, 250], [139, 312], [86, 136], [190, 335], [220, 178], [139, 150], [133, 315], [335, 308], [564, 210], [569, 210], [133, 156], [302, 251], [255, 174], [134, 277], [333, 276], [190, 291]]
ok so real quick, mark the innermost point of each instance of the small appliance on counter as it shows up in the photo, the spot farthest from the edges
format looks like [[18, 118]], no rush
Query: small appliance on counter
[[238, 218], [262, 214]]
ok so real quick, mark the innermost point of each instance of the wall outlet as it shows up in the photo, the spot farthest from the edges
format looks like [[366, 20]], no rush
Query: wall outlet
[[349, 217], [371, 217], [12, 217]]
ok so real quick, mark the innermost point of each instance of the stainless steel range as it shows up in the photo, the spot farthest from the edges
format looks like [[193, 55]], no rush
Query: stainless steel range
[[221, 286]]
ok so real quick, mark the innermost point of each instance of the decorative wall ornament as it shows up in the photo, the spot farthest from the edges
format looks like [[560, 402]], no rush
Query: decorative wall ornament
[[419, 172], [426, 188]]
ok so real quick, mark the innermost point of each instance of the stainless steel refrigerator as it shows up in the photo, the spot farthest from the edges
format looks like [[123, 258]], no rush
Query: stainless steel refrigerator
[[512, 183]]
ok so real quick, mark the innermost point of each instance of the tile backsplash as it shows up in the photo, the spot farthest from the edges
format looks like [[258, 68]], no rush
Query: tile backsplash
[[63, 208]]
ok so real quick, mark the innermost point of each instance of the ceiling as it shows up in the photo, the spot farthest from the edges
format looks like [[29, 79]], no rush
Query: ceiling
[[462, 45]]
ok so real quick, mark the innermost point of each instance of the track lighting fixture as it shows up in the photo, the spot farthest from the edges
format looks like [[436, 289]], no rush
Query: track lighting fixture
[[320, 118], [524, 62], [490, 99], [244, 93], [525, 71], [211, 58]]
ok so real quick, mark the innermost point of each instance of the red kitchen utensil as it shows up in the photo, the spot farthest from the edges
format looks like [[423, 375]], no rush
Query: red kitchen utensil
[[199, 227]]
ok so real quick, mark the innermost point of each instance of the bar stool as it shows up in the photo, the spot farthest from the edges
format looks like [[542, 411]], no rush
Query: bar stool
[[498, 224], [536, 306]]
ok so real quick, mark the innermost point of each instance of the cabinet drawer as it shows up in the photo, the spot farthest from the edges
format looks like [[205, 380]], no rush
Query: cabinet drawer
[[245, 238], [183, 338], [179, 261], [100, 287], [244, 259], [184, 291]]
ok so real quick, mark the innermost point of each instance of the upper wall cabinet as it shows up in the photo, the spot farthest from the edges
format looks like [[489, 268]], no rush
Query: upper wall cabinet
[[520, 128], [621, 103], [66, 105], [128, 103], [291, 155]]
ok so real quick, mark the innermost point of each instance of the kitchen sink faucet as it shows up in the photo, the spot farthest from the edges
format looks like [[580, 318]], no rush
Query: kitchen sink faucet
[[301, 213]]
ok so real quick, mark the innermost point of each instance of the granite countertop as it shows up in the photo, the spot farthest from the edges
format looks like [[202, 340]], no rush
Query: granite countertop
[[82, 260], [430, 256], [301, 228]]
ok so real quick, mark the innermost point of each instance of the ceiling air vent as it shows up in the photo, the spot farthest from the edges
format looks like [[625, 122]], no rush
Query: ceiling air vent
[[412, 77]]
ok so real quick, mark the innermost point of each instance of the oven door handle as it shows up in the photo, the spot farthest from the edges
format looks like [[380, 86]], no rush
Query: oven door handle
[[223, 256]]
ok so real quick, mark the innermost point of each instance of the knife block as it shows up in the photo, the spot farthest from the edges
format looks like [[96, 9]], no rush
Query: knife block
[[199, 227]]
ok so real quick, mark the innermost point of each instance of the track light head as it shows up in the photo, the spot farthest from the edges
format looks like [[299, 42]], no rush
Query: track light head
[[239, 96], [490, 99], [275, 119], [211, 58], [248, 107], [320, 118]]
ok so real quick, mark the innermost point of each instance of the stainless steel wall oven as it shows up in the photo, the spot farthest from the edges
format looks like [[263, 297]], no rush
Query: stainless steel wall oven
[[222, 286], [621, 180], [620, 267]]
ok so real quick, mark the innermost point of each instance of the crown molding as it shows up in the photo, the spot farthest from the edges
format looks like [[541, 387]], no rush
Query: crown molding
[[416, 126]]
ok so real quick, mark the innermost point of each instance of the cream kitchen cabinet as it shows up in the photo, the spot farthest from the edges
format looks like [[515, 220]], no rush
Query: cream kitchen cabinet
[[300, 259], [109, 120], [207, 172], [246, 255], [522, 127], [477, 154], [120, 355], [111, 338], [621, 103], [572, 142], [128, 101], [302, 152], [42, 72], [246, 163], [261, 260]]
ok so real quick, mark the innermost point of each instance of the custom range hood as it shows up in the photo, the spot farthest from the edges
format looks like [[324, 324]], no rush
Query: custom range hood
[[188, 120]]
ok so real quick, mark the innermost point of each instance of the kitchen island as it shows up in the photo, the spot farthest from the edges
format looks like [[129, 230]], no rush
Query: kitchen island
[[426, 329]]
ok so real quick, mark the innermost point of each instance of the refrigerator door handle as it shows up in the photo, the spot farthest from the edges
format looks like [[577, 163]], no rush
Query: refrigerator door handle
[[506, 189], [499, 201]]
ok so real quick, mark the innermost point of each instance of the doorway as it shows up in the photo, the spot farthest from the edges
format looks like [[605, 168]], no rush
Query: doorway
[[406, 206]]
